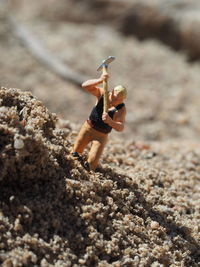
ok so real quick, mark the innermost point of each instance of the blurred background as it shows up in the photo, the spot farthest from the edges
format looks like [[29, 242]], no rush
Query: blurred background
[[49, 47]]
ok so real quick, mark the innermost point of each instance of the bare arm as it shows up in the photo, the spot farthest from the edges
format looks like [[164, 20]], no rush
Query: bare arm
[[118, 121], [91, 86]]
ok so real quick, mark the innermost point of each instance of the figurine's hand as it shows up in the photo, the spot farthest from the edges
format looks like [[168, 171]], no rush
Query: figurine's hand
[[106, 118], [104, 77]]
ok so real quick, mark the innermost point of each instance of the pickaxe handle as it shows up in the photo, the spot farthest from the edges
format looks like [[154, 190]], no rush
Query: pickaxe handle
[[104, 67], [105, 88]]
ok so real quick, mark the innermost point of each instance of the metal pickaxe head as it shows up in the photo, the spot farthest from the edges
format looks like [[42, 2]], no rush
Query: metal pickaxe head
[[106, 62]]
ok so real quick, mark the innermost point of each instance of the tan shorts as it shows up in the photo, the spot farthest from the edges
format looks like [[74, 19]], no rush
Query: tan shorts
[[86, 135]]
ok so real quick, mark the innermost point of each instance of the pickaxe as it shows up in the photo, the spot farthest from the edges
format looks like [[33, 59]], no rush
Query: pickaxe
[[104, 68]]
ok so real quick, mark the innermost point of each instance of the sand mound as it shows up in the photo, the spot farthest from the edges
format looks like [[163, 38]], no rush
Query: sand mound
[[55, 213], [30, 144]]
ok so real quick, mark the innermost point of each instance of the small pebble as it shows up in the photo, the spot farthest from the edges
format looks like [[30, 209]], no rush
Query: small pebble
[[18, 143], [154, 225]]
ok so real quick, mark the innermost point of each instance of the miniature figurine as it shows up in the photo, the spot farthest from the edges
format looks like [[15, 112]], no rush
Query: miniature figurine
[[109, 112]]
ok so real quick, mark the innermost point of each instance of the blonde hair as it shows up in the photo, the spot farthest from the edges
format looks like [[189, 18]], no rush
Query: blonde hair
[[122, 90]]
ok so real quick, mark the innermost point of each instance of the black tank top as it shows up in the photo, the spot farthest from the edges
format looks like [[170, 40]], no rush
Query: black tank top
[[96, 116]]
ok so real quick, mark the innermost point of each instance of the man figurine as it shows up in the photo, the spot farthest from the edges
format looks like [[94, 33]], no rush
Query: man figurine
[[100, 124]]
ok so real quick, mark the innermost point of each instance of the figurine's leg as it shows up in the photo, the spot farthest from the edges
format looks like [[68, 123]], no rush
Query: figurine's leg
[[96, 151], [83, 138]]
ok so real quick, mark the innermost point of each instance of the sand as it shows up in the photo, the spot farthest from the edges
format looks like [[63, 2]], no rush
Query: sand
[[141, 208]]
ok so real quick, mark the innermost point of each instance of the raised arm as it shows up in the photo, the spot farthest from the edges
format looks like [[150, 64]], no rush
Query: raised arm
[[91, 86]]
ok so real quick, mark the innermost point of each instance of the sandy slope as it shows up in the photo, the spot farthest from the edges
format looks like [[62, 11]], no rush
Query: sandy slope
[[142, 207]]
